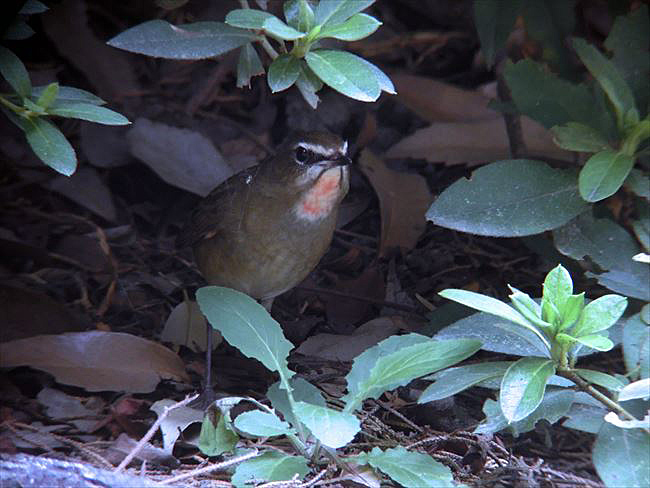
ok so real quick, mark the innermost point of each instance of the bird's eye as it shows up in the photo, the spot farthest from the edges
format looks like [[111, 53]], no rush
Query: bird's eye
[[302, 155]]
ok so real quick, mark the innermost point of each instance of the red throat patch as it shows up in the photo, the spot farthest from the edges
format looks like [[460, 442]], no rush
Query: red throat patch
[[319, 200]]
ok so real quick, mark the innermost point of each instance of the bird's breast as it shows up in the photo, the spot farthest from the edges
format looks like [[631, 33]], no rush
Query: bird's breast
[[319, 201]]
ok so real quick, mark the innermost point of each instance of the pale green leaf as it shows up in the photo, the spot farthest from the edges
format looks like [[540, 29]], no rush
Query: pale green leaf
[[249, 65], [246, 325], [332, 428], [269, 466], [262, 424], [356, 27], [523, 385], [346, 73], [283, 72], [410, 469], [90, 112], [50, 145], [200, 40], [13, 70], [603, 174], [332, 12]]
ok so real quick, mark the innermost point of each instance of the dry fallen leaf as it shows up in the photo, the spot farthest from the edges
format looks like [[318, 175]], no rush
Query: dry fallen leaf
[[464, 129], [436, 101], [339, 347], [189, 328], [86, 188], [403, 200], [182, 157], [97, 360], [474, 142]]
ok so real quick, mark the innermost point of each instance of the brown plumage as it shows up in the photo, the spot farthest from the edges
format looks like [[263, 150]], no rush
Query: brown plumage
[[264, 229]]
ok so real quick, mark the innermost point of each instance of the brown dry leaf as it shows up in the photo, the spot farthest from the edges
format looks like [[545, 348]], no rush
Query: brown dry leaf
[[474, 142], [339, 347], [436, 101], [187, 326], [86, 188], [184, 158], [97, 360], [403, 200]]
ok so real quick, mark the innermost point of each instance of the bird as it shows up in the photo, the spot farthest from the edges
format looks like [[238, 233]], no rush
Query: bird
[[264, 229]]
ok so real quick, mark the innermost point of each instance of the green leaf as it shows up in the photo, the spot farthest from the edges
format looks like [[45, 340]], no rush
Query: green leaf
[[68, 94], [308, 84], [32, 7], [552, 408], [621, 456], [199, 40], [572, 310], [558, 287], [609, 78], [547, 98], [497, 335], [601, 379], [549, 23], [269, 466], [384, 81], [633, 282], [249, 65], [529, 308], [303, 391], [608, 244], [248, 18], [246, 325], [603, 174], [283, 72], [595, 341], [332, 428], [454, 380], [262, 424], [299, 14], [509, 199], [574, 136], [628, 39], [332, 12], [279, 30], [33, 107], [356, 27], [18, 30], [638, 389], [50, 145], [495, 20], [484, 303], [87, 111], [638, 183], [215, 437], [48, 96], [600, 314], [345, 72], [398, 360], [13, 70], [522, 387], [411, 469], [636, 347]]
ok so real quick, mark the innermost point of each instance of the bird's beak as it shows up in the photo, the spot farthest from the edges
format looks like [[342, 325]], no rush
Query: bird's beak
[[341, 160]]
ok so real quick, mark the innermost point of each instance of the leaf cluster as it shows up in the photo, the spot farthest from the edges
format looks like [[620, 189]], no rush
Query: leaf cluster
[[30, 108], [313, 427], [305, 64], [542, 384]]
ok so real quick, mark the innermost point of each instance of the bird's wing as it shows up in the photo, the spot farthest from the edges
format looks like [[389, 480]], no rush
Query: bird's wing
[[220, 209]]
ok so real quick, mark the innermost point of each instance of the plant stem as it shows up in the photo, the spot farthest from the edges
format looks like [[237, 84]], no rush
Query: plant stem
[[268, 48], [12, 106], [601, 397]]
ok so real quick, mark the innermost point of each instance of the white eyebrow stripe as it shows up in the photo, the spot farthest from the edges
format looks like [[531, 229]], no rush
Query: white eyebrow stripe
[[344, 147]]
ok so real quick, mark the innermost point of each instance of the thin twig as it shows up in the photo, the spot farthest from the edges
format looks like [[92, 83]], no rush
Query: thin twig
[[212, 467], [152, 430]]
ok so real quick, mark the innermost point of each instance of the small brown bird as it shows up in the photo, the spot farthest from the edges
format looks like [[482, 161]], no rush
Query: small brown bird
[[264, 230]]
